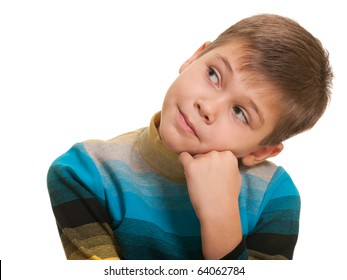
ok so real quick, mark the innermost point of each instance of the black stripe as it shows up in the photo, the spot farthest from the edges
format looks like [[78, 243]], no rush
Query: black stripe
[[80, 212], [234, 254], [273, 244]]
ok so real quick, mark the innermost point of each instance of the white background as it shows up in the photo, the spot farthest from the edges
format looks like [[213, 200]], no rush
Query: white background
[[76, 70]]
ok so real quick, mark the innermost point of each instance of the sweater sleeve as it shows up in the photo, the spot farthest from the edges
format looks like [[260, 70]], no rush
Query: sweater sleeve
[[77, 198], [276, 232]]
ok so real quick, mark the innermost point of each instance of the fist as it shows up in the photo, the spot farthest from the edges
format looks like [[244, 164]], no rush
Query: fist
[[213, 181]]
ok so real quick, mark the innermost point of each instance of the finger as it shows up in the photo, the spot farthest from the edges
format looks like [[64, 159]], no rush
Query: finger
[[185, 158]]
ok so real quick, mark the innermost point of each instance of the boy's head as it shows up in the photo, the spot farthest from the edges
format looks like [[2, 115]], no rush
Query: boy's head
[[291, 59], [263, 80]]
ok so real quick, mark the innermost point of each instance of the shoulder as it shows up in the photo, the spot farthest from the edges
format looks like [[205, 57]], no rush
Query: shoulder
[[268, 175], [267, 189], [83, 157], [123, 139], [265, 182], [80, 166], [115, 148], [263, 171]]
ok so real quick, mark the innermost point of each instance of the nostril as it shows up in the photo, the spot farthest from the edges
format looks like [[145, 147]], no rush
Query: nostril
[[201, 112]]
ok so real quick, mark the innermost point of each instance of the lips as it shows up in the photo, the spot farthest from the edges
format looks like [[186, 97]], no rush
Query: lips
[[186, 124]]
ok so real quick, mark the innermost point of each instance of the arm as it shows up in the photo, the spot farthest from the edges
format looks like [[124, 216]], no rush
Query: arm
[[214, 183], [276, 232], [75, 191]]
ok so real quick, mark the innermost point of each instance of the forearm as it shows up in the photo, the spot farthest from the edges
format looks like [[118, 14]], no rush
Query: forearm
[[214, 182], [221, 233]]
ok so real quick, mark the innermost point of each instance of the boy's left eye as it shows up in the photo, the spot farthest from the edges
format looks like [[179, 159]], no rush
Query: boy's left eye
[[240, 114], [213, 75]]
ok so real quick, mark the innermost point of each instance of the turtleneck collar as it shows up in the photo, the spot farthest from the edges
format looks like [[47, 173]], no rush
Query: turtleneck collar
[[157, 155]]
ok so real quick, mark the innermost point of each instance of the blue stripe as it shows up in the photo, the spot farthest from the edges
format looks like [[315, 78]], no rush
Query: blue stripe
[[256, 193], [73, 176], [281, 216], [182, 222], [145, 240], [157, 199], [251, 197], [287, 187], [119, 172]]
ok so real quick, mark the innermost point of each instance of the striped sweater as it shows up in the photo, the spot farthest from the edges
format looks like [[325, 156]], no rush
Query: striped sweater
[[126, 198]]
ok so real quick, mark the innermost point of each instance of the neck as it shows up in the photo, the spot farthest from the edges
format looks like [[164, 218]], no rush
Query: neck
[[157, 155]]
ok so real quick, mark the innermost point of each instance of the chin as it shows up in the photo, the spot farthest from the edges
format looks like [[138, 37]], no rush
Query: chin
[[176, 147], [169, 143], [178, 144]]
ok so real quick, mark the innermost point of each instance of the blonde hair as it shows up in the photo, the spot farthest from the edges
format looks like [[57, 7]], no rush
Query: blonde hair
[[293, 60]]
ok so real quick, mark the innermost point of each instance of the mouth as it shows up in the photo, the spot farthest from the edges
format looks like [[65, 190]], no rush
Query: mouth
[[186, 124]]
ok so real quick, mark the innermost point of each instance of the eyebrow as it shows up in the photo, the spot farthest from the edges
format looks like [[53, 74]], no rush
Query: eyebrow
[[225, 62], [250, 101], [257, 110]]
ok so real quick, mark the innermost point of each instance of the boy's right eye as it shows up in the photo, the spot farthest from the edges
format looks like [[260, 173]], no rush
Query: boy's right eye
[[213, 75]]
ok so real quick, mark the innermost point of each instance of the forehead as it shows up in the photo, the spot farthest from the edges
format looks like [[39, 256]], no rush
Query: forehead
[[240, 55], [242, 61]]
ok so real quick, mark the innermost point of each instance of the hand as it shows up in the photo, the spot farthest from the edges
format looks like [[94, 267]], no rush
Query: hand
[[214, 183], [213, 180]]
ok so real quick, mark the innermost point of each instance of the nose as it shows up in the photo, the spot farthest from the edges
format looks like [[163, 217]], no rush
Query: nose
[[207, 110]]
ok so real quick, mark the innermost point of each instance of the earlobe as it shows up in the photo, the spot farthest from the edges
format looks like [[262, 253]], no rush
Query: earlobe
[[261, 154], [193, 57]]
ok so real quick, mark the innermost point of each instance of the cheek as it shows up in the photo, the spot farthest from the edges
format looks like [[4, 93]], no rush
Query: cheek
[[233, 140], [221, 139], [187, 85]]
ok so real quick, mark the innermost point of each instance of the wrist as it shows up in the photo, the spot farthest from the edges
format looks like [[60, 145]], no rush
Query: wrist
[[220, 213], [221, 232]]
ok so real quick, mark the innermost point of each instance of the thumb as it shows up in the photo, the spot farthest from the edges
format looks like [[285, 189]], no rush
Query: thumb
[[185, 158]]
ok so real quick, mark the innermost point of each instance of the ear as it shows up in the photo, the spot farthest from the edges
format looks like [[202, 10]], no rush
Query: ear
[[193, 57], [261, 154]]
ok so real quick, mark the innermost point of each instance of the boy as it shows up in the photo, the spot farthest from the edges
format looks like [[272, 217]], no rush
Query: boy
[[196, 183]]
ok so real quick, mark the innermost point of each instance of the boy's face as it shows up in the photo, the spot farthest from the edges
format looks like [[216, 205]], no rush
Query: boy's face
[[211, 106]]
